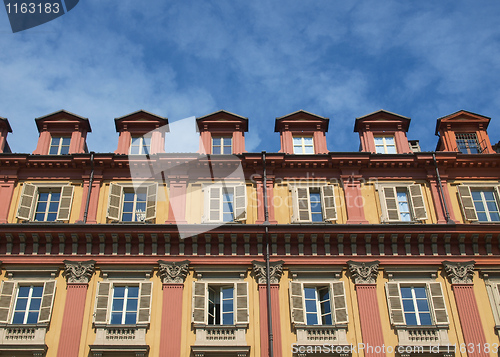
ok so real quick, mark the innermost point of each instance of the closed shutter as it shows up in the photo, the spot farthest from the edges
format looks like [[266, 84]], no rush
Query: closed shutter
[[49, 292], [417, 203], [467, 203], [65, 203], [200, 315], [438, 305], [339, 307], [152, 191], [101, 303], [145, 303], [214, 213], [301, 206], [297, 303], [6, 294], [114, 201], [328, 197], [241, 302], [27, 201], [240, 203], [389, 204], [395, 303]]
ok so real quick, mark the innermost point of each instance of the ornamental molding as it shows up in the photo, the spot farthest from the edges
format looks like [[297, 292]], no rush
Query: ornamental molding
[[79, 272], [364, 272], [459, 273], [275, 271], [173, 272]]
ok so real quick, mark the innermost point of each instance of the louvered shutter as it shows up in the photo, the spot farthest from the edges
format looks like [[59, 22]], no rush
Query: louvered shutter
[[395, 303], [152, 191], [417, 202], [240, 203], [145, 295], [64, 210], [49, 292], [200, 315], [339, 307], [467, 203], [27, 201], [214, 213], [6, 295], [114, 201], [328, 197], [101, 302], [389, 204], [241, 302], [439, 312], [301, 206], [297, 303]]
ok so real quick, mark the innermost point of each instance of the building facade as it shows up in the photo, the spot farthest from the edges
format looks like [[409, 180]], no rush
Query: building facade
[[389, 251]]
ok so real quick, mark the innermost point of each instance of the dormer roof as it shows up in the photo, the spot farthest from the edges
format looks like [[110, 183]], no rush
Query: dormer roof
[[462, 116], [61, 118], [301, 120], [140, 120], [5, 122], [382, 118], [222, 119]]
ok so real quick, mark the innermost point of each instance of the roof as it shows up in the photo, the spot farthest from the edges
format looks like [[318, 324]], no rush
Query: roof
[[382, 115], [470, 115], [60, 113], [138, 113], [6, 123], [301, 115]]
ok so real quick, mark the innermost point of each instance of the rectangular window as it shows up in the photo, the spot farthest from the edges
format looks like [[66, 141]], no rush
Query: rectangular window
[[27, 306], [385, 145], [225, 203], [47, 205], [318, 305], [467, 143], [134, 205], [221, 305], [129, 204], [140, 145], [125, 305], [303, 145], [313, 204], [222, 145], [402, 203], [486, 205], [59, 145], [416, 306]]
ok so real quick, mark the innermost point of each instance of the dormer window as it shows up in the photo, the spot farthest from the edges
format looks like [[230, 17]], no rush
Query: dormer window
[[467, 143], [222, 145], [303, 145], [59, 145], [385, 145], [140, 145]]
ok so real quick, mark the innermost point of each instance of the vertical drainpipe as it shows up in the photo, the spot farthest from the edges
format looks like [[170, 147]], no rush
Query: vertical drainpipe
[[441, 192], [89, 191]]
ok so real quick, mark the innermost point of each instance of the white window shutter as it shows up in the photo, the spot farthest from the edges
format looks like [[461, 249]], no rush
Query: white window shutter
[[297, 303], [467, 203], [240, 203], [49, 292], [152, 192], [65, 202], [241, 303], [27, 201], [114, 201], [439, 313], [339, 303], [389, 204], [145, 296], [214, 213], [328, 204], [200, 314], [417, 202], [7, 292], [301, 205], [102, 302], [395, 303]]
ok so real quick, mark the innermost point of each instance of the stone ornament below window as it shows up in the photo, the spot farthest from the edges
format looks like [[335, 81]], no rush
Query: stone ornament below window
[[79, 272], [275, 271], [173, 272], [459, 273], [364, 273]]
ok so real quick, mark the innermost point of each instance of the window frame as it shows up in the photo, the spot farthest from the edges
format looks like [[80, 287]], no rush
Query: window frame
[[123, 312], [29, 199], [389, 203], [301, 214], [144, 148], [222, 145], [116, 196], [213, 195], [303, 144], [466, 201], [384, 144], [27, 310], [59, 145], [466, 142]]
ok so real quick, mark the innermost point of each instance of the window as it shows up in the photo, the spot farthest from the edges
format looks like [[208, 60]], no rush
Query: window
[[479, 204], [222, 145], [221, 305], [225, 203], [27, 307], [126, 204], [317, 304], [415, 305], [59, 145], [313, 204], [140, 145], [45, 204], [467, 143], [402, 203], [385, 145], [124, 306], [303, 145]]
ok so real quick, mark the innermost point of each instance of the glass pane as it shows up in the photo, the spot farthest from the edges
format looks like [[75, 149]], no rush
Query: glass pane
[[327, 319], [227, 217], [216, 150], [227, 150], [66, 141], [297, 142], [134, 150], [379, 141], [127, 217], [425, 319], [119, 291], [406, 292], [216, 141], [411, 319], [21, 304], [479, 205], [141, 197], [130, 318], [420, 292], [312, 319], [405, 217], [310, 293], [481, 216], [53, 206], [325, 307], [116, 318], [117, 305], [227, 293], [308, 150], [297, 149], [32, 317], [227, 319], [133, 291], [317, 217], [43, 196], [408, 306], [129, 196], [128, 206], [53, 150], [391, 150], [39, 217], [132, 305], [488, 195], [18, 318], [35, 304], [379, 150], [140, 207], [422, 305], [476, 195], [389, 141], [308, 141], [311, 306], [55, 141], [51, 217], [492, 206], [227, 305], [495, 216], [41, 207], [64, 150], [24, 291]]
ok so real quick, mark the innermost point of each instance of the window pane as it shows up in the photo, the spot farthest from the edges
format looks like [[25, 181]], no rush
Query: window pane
[[128, 206], [422, 305], [39, 217], [134, 150], [18, 318], [492, 206], [64, 150], [35, 304], [308, 150], [408, 306], [53, 206], [66, 141], [325, 307], [312, 319], [406, 292], [43, 196], [420, 292], [495, 216], [479, 206], [119, 291], [116, 318], [32, 317], [310, 293], [389, 140], [216, 141], [297, 141], [130, 318], [481, 216], [51, 217], [141, 197], [308, 141], [227, 293], [488, 195], [327, 319], [227, 305], [53, 150], [311, 306], [133, 291], [227, 150], [425, 319], [411, 319], [227, 319], [55, 141], [117, 304], [476, 195], [391, 150], [132, 305], [21, 304]]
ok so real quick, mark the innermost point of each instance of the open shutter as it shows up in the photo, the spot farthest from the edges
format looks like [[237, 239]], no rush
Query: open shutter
[[152, 191], [241, 302], [214, 213], [65, 203], [143, 317], [114, 201], [49, 292], [395, 303], [467, 203], [339, 307], [6, 294], [389, 204], [438, 305], [417, 202], [200, 314], [297, 303], [27, 201], [240, 203], [101, 302], [328, 197], [301, 206]]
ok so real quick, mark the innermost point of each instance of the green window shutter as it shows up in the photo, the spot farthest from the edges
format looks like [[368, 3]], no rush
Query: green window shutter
[[152, 191], [240, 203], [7, 292], [439, 312], [241, 306], [297, 303], [27, 201], [101, 302], [49, 292], [114, 202], [339, 303], [328, 204], [417, 202], [65, 202], [145, 296], [389, 204], [200, 314], [395, 303], [467, 203]]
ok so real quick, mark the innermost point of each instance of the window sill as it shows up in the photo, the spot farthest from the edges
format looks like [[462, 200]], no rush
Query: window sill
[[29, 337], [216, 335], [321, 334], [114, 337], [423, 335]]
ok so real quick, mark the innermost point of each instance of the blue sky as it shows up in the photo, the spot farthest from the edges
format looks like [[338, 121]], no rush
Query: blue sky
[[259, 59]]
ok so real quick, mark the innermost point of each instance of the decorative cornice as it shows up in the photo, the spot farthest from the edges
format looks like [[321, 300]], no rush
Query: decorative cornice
[[364, 273], [275, 271], [459, 273], [173, 272], [79, 272]]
